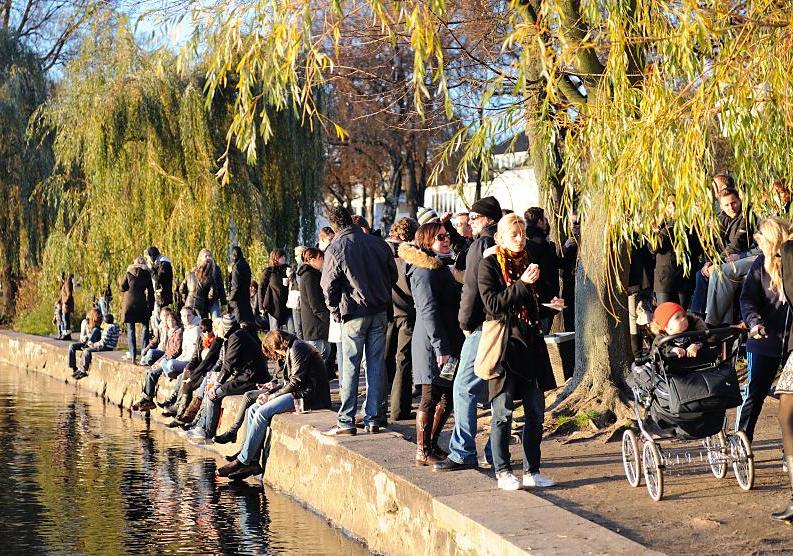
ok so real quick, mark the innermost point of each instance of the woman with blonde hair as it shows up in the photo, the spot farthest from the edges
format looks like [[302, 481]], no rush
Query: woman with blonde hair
[[507, 283], [766, 314]]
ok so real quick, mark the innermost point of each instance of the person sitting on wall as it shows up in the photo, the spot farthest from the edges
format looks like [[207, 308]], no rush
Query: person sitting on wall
[[107, 342], [91, 334]]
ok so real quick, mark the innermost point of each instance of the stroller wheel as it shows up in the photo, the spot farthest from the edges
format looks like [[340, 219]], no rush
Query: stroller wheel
[[630, 458], [716, 447], [653, 470], [742, 459]]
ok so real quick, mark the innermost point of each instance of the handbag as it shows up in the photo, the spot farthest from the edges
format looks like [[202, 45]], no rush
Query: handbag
[[490, 351], [293, 299]]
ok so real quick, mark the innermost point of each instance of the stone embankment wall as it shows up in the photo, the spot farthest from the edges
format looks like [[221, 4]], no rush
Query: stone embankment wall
[[367, 485]]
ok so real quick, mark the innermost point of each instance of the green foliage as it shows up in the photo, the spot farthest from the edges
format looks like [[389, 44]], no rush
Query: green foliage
[[136, 149]]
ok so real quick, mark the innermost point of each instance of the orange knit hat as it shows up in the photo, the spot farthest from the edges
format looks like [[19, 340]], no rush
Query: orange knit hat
[[666, 311]]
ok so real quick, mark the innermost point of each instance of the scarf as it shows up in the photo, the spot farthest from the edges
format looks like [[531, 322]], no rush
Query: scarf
[[512, 266], [208, 340]]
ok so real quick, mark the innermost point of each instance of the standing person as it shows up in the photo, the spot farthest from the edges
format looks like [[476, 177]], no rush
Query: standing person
[[197, 287], [437, 335], [462, 225], [569, 268], [357, 277], [217, 295], [543, 253], [305, 378], [784, 386], [468, 389], [400, 329], [326, 235], [274, 290], [507, 285], [315, 314], [67, 306], [161, 277], [103, 303], [767, 316], [293, 299], [138, 303], [239, 287]]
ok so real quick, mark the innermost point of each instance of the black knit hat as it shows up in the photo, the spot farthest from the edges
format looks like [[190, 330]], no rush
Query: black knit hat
[[488, 206]]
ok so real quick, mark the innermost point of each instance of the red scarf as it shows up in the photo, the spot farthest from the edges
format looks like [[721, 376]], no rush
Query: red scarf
[[513, 265], [208, 340]]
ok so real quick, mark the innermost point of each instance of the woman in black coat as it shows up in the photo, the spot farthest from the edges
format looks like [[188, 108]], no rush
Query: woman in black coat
[[274, 290], [240, 285], [305, 379], [507, 279], [315, 315], [437, 336], [138, 302]]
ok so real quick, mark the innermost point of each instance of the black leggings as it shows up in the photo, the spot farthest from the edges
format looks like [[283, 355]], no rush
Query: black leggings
[[786, 422], [433, 396]]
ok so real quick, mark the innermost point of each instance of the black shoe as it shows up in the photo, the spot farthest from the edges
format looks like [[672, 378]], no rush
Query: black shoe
[[173, 423], [78, 374], [246, 471], [341, 431], [232, 457], [226, 437], [167, 403], [373, 429], [230, 468], [451, 465], [784, 515], [169, 412]]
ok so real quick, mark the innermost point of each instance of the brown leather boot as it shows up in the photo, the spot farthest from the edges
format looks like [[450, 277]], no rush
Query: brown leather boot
[[442, 412], [182, 404], [424, 455], [191, 411]]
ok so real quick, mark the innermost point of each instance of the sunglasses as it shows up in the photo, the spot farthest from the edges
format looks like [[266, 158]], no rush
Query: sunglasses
[[442, 237], [473, 216]]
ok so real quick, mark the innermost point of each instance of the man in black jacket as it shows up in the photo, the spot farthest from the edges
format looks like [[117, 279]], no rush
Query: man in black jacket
[[239, 287], [357, 277], [468, 388], [243, 367], [162, 280]]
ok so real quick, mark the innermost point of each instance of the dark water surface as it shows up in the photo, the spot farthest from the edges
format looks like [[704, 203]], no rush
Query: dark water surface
[[79, 476]]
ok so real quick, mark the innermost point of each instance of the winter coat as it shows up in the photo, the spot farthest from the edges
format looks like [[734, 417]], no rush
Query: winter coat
[[305, 376], [786, 251], [401, 297], [736, 234], [197, 293], [67, 295], [243, 365], [695, 324], [162, 280], [218, 292], [314, 314], [472, 311], [642, 269], [273, 293], [543, 252], [437, 298], [240, 290], [669, 276], [526, 358], [759, 305], [173, 345], [203, 360], [138, 302], [358, 274]]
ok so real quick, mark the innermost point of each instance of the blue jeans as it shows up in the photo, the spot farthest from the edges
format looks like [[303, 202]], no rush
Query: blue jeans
[[700, 297], [357, 335], [214, 310], [173, 367], [150, 387], [257, 422], [323, 347], [298, 322], [133, 351], [502, 406], [468, 389], [211, 413], [151, 357]]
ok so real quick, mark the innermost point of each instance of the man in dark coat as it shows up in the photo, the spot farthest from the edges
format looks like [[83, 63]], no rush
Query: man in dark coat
[[243, 367], [469, 389], [240, 286], [543, 252], [400, 328], [138, 302], [161, 277], [357, 277]]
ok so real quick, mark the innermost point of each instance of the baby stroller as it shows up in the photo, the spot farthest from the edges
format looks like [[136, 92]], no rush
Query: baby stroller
[[686, 399]]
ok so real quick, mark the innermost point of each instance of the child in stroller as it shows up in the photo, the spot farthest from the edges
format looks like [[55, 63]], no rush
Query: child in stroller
[[669, 319]]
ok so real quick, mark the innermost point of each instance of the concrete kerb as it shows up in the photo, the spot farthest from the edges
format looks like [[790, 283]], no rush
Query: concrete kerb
[[367, 485]]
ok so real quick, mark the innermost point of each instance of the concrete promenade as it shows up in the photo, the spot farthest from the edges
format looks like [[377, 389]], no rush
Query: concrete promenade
[[367, 485]]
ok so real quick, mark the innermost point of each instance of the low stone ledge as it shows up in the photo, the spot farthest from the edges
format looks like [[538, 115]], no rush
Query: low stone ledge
[[367, 485]]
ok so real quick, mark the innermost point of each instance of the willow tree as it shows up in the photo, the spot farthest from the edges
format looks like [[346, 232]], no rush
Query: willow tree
[[25, 217], [136, 148], [624, 101]]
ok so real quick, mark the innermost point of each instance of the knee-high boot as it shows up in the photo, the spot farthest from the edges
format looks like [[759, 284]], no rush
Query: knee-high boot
[[424, 455], [787, 513], [442, 412]]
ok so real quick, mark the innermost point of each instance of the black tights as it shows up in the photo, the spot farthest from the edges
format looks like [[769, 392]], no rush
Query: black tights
[[785, 416], [433, 396]]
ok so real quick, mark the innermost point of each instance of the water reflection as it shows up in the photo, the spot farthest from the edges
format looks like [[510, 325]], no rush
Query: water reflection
[[77, 476]]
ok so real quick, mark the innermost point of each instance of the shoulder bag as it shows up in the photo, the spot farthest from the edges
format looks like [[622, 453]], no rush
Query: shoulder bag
[[490, 352]]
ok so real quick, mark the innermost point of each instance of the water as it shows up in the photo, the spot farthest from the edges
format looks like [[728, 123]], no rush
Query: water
[[79, 476]]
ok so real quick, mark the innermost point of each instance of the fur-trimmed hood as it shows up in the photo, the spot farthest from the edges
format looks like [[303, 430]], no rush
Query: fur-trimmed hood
[[416, 256]]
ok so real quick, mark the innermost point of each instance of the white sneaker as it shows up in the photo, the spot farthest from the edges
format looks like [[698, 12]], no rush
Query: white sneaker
[[507, 481], [537, 480]]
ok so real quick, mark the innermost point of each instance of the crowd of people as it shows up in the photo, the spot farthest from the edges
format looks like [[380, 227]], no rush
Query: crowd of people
[[451, 308]]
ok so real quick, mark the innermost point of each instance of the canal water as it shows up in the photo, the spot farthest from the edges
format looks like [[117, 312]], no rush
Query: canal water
[[78, 476]]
